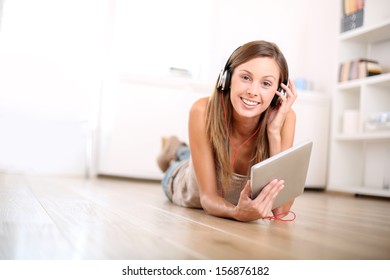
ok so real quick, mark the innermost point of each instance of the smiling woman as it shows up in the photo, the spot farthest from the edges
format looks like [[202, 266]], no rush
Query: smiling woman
[[229, 132]]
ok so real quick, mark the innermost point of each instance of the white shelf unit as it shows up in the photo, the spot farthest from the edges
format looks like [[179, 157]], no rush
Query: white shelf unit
[[360, 159]]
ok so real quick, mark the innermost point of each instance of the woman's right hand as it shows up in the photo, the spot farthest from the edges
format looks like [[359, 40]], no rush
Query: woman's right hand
[[249, 209]]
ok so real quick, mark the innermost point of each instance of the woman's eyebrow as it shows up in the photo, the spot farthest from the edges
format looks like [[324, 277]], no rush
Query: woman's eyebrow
[[244, 70], [250, 73], [270, 76]]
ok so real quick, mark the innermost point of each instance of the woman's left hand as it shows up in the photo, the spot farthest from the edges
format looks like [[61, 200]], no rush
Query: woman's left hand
[[278, 115]]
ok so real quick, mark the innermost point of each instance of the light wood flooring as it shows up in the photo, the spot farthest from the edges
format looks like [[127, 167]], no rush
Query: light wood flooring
[[105, 218]]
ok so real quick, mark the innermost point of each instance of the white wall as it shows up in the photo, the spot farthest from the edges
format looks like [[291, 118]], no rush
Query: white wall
[[50, 78], [53, 56]]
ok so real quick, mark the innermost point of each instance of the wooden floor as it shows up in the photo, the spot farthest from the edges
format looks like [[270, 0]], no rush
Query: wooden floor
[[105, 218]]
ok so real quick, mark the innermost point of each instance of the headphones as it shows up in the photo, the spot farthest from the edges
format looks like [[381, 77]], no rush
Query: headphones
[[225, 77]]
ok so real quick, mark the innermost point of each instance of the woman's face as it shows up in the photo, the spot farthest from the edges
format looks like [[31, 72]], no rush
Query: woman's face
[[253, 86]]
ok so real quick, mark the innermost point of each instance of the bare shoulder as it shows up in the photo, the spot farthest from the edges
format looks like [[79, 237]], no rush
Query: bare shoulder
[[197, 117], [199, 106], [291, 116], [290, 120]]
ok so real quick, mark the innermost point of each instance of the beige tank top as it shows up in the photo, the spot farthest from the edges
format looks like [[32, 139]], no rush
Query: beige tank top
[[183, 187]]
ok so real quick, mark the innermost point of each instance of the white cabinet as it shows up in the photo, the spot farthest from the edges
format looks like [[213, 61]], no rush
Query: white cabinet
[[360, 156], [136, 113], [312, 111]]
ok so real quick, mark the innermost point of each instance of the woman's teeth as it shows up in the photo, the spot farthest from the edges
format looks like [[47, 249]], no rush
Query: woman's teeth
[[249, 102]]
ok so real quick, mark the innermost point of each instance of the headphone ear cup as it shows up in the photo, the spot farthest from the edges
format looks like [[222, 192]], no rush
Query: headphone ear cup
[[223, 80], [226, 84]]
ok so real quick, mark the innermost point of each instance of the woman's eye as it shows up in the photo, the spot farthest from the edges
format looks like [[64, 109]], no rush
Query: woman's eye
[[267, 84], [245, 77]]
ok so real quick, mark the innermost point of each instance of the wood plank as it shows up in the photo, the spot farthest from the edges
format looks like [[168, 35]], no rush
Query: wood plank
[[205, 242], [302, 238], [26, 231], [358, 226], [337, 230], [97, 232]]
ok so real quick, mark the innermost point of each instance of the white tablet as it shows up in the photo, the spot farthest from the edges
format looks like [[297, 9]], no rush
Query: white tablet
[[290, 165]]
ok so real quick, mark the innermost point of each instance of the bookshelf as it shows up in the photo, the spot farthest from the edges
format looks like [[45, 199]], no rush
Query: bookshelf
[[360, 145]]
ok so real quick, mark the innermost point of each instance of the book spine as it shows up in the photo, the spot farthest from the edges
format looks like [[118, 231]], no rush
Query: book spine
[[353, 15], [358, 69]]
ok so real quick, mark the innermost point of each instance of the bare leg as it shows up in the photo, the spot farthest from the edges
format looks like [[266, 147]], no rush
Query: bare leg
[[168, 152]]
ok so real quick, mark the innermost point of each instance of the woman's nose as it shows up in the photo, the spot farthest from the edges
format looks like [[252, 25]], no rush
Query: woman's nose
[[253, 89]]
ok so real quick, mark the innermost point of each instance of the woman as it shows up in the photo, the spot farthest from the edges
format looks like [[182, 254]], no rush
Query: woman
[[239, 125]]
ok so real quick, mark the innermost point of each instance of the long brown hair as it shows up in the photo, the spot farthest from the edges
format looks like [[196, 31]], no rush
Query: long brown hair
[[215, 121]]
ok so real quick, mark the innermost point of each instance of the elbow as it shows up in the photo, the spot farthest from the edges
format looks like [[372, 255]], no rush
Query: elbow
[[205, 203]]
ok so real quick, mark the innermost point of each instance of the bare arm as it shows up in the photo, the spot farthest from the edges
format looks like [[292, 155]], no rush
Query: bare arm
[[204, 164], [281, 124]]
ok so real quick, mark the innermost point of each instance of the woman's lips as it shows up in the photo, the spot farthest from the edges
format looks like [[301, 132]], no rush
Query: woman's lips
[[249, 103]]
